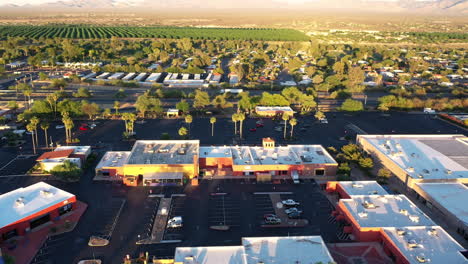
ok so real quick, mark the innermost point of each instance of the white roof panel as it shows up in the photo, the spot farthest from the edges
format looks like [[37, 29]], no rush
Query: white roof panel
[[23, 202], [362, 188], [210, 255]]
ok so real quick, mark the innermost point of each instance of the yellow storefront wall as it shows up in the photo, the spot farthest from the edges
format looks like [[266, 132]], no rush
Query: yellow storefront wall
[[189, 170]]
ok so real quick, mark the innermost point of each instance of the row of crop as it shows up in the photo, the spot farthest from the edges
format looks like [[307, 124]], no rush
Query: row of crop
[[151, 32]]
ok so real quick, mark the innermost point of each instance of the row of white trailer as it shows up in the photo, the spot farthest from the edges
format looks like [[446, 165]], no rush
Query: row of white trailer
[[169, 79]]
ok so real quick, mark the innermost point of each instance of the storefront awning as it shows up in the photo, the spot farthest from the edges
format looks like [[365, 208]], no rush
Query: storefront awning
[[163, 176]]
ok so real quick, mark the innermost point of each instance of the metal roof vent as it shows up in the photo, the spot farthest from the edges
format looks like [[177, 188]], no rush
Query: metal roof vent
[[400, 232], [448, 171], [368, 205], [413, 244], [422, 259], [414, 218], [19, 202], [357, 185], [363, 214], [403, 211], [410, 169], [432, 232], [46, 194]]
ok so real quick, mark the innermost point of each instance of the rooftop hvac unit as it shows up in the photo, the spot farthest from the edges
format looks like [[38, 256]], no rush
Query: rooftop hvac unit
[[368, 205], [413, 244], [414, 218], [163, 150], [400, 232], [274, 156], [362, 214], [432, 232], [357, 185], [447, 171], [182, 151], [403, 211], [410, 169], [19, 202], [422, 259], [46, 193]]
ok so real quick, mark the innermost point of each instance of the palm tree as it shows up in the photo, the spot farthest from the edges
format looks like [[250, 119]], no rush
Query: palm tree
[[35, 122], [131, 122], [52, 100], [285, 117], [30, 128], [45, 127], [183, 132], [212, 121], [68, 123], [188, 120], [292, 122], [27, 93], [241, 118], [235, 118], [116, 107]]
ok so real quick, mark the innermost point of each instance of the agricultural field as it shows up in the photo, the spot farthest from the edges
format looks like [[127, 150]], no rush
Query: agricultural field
[[90, 32]]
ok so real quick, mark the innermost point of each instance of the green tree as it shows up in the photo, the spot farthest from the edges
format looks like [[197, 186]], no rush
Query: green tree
[[235, 119], [285, 118], [82, 93], [45, 127], [366, 163], [212, 121], [30, 127], [292, 123], [201, 100], [68, 171], [319, 115], [35, 122], [183, 132], [351, 105], [59, 84], [241, 118], [116, 107], [90, 109], [220, 101], [351, 152], [43, 76], [189, 120], [120, 94], [183, 106]]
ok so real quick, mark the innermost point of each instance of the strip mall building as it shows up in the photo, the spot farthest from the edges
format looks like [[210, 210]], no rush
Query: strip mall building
[[28, 208], [155, 162], [406, 234]]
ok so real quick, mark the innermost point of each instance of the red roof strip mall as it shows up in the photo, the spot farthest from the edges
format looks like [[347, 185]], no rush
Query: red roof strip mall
[[406, 234], [156, 162], [28, 208]]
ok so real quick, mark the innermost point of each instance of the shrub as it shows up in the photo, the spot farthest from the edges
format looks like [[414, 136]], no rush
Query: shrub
[[344, 169], [366, 163], [68, 171]]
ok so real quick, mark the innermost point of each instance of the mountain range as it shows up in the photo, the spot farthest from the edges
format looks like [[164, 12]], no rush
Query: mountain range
[[429, 6]]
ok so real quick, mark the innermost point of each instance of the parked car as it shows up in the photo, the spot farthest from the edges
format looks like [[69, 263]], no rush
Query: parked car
[[324, 121], [175, 222], [295, 215], [273, 221], [259, 125], [92, 126], [265, 216], [292, 210], [290, 202], [59, 126], [252, 129], [259, 122], [83, 128], [278, 129]]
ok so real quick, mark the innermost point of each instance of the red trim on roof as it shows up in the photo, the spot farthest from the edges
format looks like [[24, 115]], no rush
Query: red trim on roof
[[55, 154]]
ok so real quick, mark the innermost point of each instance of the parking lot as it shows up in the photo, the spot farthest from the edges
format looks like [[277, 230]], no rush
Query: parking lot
[[240, 207]]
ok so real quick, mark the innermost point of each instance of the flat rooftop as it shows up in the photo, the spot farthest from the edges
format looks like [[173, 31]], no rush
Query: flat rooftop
[[79, 150], [362, 188], [210, 255], [286, 250], [452, 196], [425, 156], [430, 243], [385, 211], [215, 152], [113, 159], [163, 152], [274, 108], [23, 202], [288, 155]]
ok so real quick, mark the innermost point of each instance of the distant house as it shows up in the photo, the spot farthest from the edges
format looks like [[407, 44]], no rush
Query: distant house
[[172, 112], [269, 111]]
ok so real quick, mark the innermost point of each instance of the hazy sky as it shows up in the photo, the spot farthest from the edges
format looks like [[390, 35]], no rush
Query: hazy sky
[[22, 2]]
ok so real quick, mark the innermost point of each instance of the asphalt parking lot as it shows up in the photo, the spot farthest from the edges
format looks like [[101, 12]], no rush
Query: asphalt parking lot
[[243, 209]]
